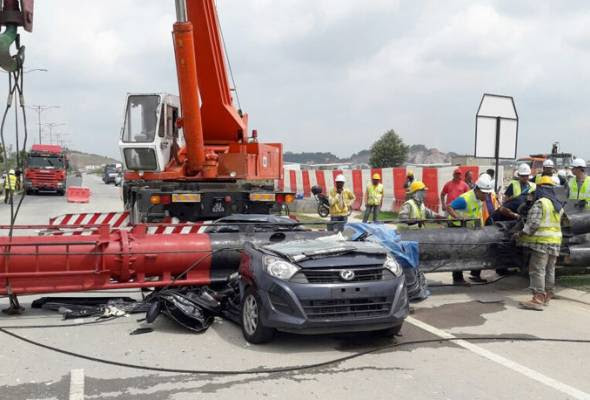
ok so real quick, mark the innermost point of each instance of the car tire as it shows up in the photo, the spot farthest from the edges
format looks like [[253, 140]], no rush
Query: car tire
[[390, 332], [252, 328]]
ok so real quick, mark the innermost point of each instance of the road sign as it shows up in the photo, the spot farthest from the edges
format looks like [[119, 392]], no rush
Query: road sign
[[496, 129]]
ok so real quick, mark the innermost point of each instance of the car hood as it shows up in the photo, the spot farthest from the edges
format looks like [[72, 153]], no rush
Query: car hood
[[327, 247]]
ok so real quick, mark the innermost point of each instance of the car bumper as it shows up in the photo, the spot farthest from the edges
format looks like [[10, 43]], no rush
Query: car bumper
[[334, 308]]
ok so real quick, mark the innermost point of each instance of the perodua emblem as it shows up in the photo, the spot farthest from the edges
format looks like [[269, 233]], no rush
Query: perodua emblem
[[347, 275]]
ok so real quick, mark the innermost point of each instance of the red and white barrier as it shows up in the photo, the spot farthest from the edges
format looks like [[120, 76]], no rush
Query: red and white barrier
[[393, 180]]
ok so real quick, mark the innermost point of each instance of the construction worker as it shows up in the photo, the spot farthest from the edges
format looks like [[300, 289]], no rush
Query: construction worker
[[340, 200], [9, 186], [409, 179], [453, 189], [470, 205], [521, 185], [548, 170], [542, 235], [373, 198], [578, 188], [413, 211]]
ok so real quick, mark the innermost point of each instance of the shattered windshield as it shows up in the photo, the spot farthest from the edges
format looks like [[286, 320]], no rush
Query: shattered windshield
[[45, 162], [330, 245], [141, 119]]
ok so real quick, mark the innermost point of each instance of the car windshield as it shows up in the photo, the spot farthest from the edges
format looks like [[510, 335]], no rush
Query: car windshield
[[45, 162]]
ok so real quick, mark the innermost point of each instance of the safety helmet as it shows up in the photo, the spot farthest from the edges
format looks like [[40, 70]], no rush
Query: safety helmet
[[579, 163], [548, 163], [524, 169], [11, 172], [546, 180], [340, 178], [376, 176], [417, 185], [410, 173], [485, 184]]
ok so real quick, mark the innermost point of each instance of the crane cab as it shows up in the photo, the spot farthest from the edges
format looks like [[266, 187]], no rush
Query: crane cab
[[149, 134]]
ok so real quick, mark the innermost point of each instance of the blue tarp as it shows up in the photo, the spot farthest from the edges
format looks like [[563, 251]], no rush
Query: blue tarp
[[405, 252]]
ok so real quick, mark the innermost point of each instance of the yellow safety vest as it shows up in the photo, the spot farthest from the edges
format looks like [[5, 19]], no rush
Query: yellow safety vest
[[517, 190], [10, 182], [417, 212], [374, 194], [583, 193], [549, 232], [340, 202], [474, 208]]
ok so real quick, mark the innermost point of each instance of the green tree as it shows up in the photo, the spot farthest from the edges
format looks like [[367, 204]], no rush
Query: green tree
[[388, 151]]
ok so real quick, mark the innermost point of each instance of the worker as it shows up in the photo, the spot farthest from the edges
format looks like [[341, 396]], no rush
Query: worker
[[470, 205], [373, 198], [542, 235], [548, 170], [469, 179], [413, 211], [409, 180], [578, 188], [521, 185], [9, 186], [453, 189], [340, 200]]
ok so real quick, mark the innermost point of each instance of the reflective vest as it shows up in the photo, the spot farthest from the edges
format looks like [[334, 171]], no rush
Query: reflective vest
[[549, 232], [473, 210], [340, 202], [374, 194], [10, 182], [517, 190], [582, 193], [417, 212]]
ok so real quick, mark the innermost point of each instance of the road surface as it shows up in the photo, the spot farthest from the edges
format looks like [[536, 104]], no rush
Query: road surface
[[499, 369]]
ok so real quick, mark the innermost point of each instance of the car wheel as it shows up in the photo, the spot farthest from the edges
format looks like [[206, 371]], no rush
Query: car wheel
[[390, 332], [252, 328]]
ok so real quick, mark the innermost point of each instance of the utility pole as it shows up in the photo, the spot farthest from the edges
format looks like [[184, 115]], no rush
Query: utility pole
[[40, 109]]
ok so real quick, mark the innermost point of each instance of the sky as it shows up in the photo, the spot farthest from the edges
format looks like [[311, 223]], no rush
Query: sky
[[327, 75]]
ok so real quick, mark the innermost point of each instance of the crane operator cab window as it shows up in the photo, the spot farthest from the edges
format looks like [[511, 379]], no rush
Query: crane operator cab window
[[149, 131]]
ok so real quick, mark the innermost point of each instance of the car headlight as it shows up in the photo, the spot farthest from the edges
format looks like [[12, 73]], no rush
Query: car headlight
[[279, 268], [392, 265]]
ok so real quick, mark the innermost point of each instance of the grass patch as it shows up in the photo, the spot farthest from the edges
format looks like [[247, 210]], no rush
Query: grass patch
[[580, 282]]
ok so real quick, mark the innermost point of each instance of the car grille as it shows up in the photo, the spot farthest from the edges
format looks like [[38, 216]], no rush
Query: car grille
[[332, 275], [359, 308]]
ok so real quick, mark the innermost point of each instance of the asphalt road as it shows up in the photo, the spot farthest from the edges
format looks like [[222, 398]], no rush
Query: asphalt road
[[487, 369]]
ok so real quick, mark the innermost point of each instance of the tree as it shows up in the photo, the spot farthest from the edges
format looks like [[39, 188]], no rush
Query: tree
[[388, 151]]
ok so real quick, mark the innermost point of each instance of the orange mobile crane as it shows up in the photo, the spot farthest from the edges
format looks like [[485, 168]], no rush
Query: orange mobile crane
[[214, 168]]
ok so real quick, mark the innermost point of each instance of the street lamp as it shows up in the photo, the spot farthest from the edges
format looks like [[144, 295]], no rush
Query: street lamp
[[40, 109], [52, 125]]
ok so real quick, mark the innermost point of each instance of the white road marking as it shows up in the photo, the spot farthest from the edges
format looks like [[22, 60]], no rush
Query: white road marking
[[77, 384], [530, 373]]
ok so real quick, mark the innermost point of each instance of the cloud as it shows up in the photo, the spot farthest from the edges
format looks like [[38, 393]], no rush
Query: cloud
[[329, 75]]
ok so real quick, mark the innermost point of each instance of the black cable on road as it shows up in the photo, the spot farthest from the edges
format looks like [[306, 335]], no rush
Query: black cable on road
[[294, 368]]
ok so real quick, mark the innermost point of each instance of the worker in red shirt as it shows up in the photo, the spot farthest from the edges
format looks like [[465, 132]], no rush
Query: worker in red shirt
[[453, 189]]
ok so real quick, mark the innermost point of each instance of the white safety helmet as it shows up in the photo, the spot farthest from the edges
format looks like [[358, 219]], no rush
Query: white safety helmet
[[548, 163], [524, 169], [556, 180], [485, 183], [11, 172], [341, 178], [579, 163]]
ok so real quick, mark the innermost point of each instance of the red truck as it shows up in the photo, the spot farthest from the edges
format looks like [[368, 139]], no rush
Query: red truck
[[46, 169]]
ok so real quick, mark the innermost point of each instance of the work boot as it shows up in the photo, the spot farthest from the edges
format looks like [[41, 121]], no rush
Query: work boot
[[548, 296], [536, 303]]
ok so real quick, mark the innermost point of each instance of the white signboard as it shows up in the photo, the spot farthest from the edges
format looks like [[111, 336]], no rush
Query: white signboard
[[496, 119]]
